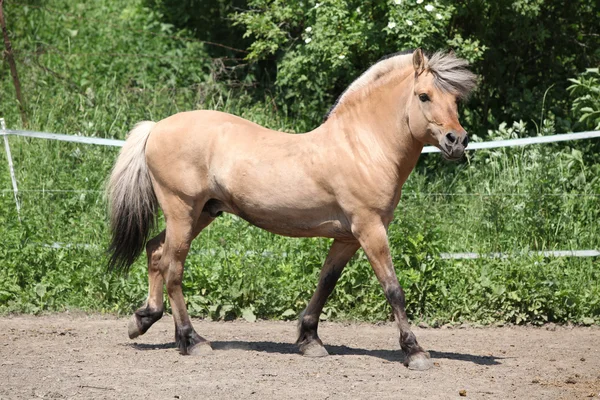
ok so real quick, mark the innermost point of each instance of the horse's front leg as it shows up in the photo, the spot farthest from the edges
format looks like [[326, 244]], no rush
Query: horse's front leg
[[374, 241], [308, 340]]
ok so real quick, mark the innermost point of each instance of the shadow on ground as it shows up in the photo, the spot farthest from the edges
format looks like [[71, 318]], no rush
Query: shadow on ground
[[289, 348]]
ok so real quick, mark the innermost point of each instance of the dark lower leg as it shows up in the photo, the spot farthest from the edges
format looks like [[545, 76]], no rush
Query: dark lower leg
[[186, 338], [308, 338], [408, 341]]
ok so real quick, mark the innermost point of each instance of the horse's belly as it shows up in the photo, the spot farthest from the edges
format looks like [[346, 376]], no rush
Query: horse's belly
[[298, 223]]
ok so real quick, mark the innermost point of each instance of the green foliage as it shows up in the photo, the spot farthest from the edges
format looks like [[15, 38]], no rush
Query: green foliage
[[532, 45], [96, 68], [321, 47], [207, 20], [586, 105], [312, 50]]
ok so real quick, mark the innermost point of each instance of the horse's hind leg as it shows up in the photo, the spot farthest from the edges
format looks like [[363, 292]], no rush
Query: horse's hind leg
[[308, 340], [152, 310], [180, 232]]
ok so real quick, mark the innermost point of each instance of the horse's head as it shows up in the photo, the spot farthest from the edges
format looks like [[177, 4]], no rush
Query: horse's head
[[439, 83]]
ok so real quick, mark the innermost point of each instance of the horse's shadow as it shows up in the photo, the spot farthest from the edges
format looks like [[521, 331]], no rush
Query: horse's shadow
[[289, 348]]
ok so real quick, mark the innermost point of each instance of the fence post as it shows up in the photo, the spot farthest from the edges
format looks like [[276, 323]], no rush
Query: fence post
[[10, 167]]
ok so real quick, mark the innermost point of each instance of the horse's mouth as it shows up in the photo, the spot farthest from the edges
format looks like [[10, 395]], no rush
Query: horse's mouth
[[448, 156]]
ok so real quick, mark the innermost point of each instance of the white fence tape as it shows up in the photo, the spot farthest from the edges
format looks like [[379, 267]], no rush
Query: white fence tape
[[555, 253], [429, 149], [524, 141], [64, 138], [445, 256]]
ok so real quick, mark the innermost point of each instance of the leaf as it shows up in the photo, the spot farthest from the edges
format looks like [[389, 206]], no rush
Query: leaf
[[40, 289], [587, 321], [248, 314], [288, 313]]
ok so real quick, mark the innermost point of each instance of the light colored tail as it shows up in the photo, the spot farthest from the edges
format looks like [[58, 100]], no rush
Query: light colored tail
[[132, 201]]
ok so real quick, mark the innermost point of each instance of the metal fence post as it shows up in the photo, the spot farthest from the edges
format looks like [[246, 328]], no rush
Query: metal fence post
[[10, 167]]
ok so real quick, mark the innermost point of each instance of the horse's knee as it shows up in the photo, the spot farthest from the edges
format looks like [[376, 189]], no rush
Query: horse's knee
[[173, 275]]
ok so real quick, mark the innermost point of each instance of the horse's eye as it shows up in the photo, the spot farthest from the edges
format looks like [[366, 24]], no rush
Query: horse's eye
[[423, 97]]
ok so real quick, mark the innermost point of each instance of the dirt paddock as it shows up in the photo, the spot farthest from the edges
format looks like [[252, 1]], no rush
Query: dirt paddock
[[90, 357]]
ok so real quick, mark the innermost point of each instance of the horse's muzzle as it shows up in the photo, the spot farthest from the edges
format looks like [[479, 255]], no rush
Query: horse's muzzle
[[453, 144]]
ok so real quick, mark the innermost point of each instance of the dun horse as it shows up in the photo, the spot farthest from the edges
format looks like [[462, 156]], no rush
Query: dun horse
[[342, 181]]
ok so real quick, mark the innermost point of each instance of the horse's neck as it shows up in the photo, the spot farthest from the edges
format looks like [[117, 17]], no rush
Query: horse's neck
[[379, 125]]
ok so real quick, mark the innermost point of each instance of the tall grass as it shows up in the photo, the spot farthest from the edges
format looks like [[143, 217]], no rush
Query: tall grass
[[95, 79]]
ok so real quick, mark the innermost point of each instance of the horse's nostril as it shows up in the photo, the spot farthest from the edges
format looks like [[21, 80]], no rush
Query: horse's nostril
[[465, 141], [451, 137]]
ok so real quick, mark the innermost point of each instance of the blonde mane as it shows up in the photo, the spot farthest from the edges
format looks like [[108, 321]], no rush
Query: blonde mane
[[451, 76]]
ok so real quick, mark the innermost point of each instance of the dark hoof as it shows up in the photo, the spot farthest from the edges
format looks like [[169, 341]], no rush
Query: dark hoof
[[201, 349], [142, 320], [419, 361], [133, 327], [313, 349], [190, 343]]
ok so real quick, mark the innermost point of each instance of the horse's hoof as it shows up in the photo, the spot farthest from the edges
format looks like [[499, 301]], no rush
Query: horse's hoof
[[201, 349], [133, 327], [313, 349], [419, 362]]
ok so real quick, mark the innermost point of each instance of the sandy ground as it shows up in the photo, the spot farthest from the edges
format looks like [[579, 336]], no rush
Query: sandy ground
[[90, 357]]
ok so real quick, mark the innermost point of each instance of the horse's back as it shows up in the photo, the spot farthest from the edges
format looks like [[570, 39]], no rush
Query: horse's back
[[197, 126], [197, 137]]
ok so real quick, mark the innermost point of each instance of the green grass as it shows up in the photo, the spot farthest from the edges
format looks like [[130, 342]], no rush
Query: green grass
[[511, 200]]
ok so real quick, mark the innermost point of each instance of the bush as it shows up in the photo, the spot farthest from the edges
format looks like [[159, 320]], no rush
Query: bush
[[586, 105]]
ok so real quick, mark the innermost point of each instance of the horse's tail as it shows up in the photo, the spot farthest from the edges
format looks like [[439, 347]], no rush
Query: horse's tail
[[132, 201]]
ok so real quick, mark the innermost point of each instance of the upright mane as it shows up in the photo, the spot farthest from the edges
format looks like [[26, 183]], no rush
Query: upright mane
[[451, 75]]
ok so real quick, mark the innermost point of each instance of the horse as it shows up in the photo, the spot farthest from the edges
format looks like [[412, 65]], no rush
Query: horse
[[341, 181]]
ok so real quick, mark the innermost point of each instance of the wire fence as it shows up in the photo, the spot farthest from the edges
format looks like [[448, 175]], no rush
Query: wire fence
[[481, 145]]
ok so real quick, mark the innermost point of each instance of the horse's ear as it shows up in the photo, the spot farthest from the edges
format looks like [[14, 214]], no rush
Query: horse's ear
[[418, 61]]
